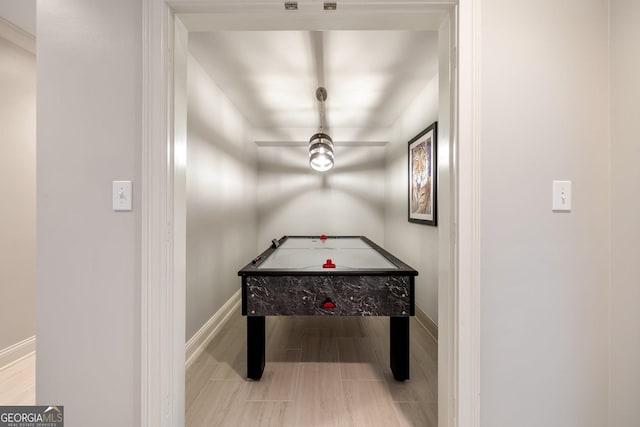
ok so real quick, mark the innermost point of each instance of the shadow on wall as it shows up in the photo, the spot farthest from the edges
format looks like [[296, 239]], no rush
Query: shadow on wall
[[375, 201], [281, 180], [295, 160], [358, 159], [206, 131], [284, 161], [288, 186]]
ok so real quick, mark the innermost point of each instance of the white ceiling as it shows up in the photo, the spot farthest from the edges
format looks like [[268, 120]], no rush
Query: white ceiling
[[272, 76]]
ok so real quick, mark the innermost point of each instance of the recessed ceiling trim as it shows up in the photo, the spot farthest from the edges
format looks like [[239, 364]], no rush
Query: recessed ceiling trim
[[304, 144], [342, 136]]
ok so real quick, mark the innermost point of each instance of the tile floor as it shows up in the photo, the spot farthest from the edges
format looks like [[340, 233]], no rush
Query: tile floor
[[18, 382], [320, 371]]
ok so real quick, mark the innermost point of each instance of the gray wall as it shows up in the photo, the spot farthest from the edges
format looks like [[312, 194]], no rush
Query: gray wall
[[415, 244], [295, 200], [544, 275], [221, 198], [625, 213], [88, 257], [18, 189]]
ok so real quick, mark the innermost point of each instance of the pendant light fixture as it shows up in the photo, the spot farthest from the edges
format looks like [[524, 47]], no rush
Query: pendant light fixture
[[320, 144]]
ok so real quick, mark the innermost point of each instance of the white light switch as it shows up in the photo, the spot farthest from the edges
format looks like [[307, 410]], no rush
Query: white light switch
[[561, 196], [122, 196]]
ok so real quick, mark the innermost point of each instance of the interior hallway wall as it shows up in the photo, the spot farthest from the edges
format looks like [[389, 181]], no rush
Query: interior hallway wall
[[415, 244], [293, 199], [625, 214], [221, 198], [544, 276], [89, 128], [18, 189]]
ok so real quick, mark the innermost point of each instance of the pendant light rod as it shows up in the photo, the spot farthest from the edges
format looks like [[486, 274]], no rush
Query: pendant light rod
[[321, 96], [321, 157]]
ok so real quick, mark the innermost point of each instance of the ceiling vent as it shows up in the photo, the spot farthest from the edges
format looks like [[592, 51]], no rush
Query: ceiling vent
[[291, 5], [330, 6]]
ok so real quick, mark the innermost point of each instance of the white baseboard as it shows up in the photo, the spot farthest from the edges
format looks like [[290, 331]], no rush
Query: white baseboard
[[199, 341], [427, 323], [17, 352]]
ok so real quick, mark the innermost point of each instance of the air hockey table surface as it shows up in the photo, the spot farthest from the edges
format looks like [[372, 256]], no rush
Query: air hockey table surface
[[312, 253]]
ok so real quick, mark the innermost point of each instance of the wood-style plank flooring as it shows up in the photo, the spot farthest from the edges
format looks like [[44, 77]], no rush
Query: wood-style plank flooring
[[18, 382], [320, 371]]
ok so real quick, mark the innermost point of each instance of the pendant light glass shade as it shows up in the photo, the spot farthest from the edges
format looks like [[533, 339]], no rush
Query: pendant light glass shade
[[321, 152]]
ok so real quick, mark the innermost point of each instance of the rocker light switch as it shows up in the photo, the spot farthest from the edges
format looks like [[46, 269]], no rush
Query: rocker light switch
[[122, 196]]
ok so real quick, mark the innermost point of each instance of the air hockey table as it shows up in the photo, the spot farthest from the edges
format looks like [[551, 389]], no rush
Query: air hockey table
[[327, 276]]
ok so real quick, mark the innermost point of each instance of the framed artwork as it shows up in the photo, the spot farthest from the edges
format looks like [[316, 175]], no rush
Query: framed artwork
[[423, 174]]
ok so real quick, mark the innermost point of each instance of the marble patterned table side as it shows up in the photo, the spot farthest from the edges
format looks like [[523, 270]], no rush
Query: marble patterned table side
[[352, 295]]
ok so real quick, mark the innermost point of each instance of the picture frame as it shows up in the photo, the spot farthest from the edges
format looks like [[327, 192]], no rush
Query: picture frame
[[423, 177]]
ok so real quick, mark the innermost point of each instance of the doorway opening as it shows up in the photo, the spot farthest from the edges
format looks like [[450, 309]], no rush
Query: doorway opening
[[432, 19]]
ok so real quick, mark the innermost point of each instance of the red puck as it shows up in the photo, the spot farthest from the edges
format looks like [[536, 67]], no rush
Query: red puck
[[323, 237], [328, 304], [329, 264]]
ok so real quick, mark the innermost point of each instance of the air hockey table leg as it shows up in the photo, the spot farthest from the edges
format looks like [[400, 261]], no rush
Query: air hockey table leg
[[255, 346], [399, 347]]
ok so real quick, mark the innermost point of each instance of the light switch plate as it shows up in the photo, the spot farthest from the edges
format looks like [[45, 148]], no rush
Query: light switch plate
[[561, 196], [122, 196]]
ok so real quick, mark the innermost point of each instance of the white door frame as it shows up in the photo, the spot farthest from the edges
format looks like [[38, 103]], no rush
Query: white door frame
[[468, 177], [162, 352]]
